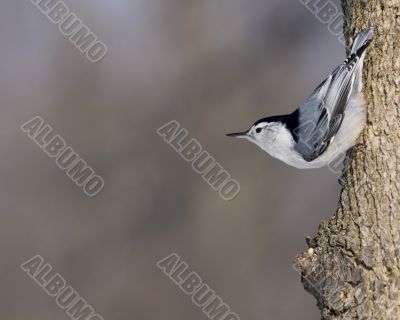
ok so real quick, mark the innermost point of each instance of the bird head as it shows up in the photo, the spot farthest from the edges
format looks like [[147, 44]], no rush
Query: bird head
[[260, 133]]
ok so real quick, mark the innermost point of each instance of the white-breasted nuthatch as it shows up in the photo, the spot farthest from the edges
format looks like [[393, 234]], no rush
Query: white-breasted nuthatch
[[326, 125]]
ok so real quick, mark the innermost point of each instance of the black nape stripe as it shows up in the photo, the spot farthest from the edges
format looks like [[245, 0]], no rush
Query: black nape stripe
[[291, 121]]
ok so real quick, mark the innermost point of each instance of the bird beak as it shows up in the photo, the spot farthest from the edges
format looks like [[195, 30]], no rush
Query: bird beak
[[240, 135]]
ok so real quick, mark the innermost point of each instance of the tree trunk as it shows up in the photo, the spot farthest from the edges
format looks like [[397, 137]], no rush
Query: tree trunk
[[353, 265]]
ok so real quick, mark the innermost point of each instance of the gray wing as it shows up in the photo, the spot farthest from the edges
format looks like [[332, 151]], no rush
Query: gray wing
[[321, 116]]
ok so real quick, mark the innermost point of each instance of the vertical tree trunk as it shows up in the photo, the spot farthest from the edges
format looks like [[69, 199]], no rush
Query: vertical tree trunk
[[353, 265]]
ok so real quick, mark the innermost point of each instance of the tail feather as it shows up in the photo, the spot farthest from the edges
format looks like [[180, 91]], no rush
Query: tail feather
[[360, 45], [363, 39]]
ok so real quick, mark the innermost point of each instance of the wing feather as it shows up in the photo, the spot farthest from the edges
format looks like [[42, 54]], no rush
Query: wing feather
[[324, 110]]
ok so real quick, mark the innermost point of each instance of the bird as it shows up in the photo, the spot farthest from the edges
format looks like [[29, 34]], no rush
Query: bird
[[326, 125]]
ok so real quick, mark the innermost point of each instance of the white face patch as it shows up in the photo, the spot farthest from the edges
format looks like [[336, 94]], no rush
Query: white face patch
[[274, 138]]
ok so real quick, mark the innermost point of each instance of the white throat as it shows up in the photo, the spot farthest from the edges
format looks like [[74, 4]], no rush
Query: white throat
[[278, 142]]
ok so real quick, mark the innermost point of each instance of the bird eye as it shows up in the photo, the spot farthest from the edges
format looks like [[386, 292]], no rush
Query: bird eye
[[258, 130]]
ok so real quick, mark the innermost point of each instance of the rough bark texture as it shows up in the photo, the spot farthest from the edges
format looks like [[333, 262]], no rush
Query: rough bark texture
[[353, 264]]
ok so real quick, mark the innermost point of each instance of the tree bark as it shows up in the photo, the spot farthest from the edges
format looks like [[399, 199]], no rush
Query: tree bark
[[353, 265]]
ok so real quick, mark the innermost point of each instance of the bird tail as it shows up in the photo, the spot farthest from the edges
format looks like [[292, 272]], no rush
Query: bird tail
[[362, 41], [360, 45]]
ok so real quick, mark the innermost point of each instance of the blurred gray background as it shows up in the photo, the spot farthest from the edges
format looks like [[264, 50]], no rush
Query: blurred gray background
[[214, 66]]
